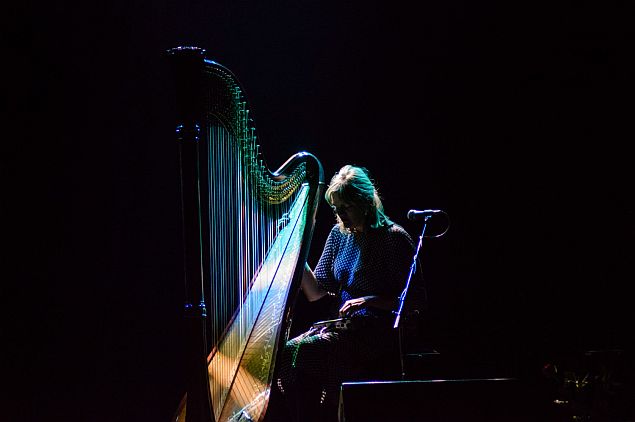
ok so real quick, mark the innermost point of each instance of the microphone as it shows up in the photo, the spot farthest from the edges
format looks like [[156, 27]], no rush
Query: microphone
[[416, 215]]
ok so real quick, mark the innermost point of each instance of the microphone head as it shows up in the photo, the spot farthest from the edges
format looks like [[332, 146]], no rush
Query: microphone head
[[415, 215], [438, 225]]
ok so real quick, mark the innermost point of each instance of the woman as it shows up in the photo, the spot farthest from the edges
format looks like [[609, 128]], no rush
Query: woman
[[363, 267]]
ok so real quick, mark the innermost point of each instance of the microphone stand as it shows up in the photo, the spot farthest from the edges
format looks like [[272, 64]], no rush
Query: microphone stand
[[404, 293]]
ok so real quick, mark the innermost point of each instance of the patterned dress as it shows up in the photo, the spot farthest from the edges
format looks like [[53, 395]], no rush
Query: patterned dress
[[352, 265]]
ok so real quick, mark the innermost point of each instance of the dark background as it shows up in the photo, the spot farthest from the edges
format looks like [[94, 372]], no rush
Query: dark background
[[514, 119]]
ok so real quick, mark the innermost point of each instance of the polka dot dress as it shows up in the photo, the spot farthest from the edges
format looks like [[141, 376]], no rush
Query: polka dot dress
[[352, 265], [376, 262]]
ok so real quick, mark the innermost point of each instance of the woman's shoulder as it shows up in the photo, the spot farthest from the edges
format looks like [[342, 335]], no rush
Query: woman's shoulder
[[335, 230], [397, 233], [335, 235], [394, 229]]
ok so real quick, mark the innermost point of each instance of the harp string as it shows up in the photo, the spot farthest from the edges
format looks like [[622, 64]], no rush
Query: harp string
[[237, 250]]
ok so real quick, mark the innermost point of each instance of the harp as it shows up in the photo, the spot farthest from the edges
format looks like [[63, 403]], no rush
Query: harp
[[246, 236]]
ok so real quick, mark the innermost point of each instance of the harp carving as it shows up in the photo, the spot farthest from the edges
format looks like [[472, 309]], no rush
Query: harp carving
[[246, 235]]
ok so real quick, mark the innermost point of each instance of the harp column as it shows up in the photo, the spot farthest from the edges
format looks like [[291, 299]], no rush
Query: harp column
[[187, 65]]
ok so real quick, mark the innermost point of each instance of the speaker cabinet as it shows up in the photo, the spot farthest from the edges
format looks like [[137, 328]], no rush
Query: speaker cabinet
[[491, 400]]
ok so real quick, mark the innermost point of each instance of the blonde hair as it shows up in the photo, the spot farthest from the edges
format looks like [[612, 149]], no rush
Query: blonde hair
[[354, 185]]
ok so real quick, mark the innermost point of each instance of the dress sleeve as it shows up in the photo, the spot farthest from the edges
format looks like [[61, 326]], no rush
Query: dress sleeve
[[405, 249], [400, 255], [324, 269]]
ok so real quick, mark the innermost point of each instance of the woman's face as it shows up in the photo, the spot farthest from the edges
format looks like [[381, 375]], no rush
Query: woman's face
[[351, 215]]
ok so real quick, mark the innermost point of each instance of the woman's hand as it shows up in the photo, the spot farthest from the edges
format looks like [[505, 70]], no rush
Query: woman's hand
[[378, 301], [353, 305]]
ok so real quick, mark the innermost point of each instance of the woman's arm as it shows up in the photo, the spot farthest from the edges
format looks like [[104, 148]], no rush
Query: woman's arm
[[309, 285]]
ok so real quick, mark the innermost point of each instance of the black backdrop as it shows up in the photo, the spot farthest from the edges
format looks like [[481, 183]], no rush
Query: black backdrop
[[514, 119]]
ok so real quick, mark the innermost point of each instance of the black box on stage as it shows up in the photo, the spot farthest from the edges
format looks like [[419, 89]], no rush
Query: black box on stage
[[491, 400]]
